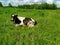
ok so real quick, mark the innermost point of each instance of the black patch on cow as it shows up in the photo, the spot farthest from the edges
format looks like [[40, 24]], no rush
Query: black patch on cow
[[35, 23], [16, 20], [26, 20]]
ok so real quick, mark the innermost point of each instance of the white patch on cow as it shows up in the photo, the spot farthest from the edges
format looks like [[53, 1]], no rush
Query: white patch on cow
[[21, 19], [12, 19], [30, 24], [13, 15], [33, 20]]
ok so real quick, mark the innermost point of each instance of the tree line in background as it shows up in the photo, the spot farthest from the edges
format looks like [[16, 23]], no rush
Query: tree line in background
[[33, 6]]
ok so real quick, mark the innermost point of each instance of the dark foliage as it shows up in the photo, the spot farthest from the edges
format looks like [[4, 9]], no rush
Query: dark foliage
[[38, 6], [1, 4], [33, 6], [10, 5]]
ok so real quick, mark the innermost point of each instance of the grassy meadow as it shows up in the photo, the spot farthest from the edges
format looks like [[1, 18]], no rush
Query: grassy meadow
[[46, 32]]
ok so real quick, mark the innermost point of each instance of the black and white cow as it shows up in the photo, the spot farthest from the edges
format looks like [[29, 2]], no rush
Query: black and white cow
[[21, 21]]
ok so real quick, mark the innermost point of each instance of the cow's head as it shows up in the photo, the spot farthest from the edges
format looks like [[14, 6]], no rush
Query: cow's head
[[13, 17]]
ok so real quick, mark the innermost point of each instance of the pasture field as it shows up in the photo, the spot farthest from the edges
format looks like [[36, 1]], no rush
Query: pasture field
[[46, 32]]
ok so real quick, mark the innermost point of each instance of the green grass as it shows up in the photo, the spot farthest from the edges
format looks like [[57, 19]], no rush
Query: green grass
[[46, 32]]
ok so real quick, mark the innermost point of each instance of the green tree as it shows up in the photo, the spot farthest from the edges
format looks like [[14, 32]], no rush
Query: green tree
[[10, 5], [1, 4], [54, 6]]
